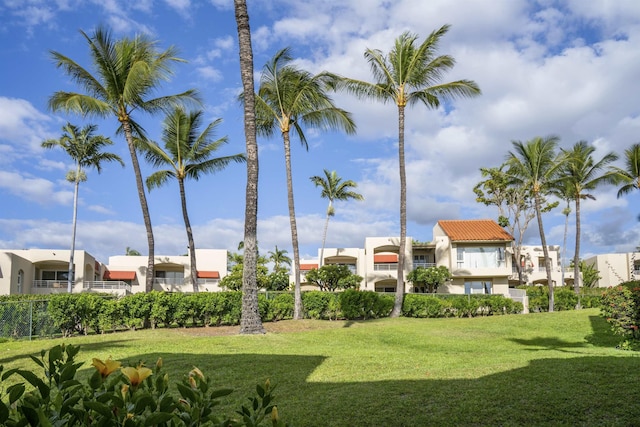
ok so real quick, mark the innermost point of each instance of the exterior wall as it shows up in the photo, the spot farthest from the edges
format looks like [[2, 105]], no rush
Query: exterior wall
[[616, 268], [384, 277], [534, 272], [206, 260]]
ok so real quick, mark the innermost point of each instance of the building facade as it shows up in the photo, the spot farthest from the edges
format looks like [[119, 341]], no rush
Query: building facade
[[614, 269]]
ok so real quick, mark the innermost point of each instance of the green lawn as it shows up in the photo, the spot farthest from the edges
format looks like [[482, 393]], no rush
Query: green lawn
[[537, 369]]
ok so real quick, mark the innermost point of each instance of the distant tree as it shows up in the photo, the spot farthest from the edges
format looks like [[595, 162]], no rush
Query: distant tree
[[536, 165], [84, 148], [410, 74], [590, 274], [332, 277], [429, 278], [187, 154], [234, 280], [127, 73], [279, 258], [278, 280], [629, 176], [582, 174], [131, 252], [250, 322], [290, 98], [333, 188], [515, 205]]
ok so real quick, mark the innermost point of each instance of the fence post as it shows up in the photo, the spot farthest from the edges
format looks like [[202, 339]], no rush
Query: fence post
[[30, 319]]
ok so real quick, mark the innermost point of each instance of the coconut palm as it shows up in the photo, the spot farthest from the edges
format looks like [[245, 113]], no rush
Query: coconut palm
[[410, 74], [250, 322], [127, 72], [85, 149], [289, 99], [333, 188], [629, 177], [279, 257], [582, 174], [187, 154], [535, 165]]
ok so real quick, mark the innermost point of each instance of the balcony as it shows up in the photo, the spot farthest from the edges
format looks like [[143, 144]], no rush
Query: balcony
[[423, 264], [108, 285], [386, 267]]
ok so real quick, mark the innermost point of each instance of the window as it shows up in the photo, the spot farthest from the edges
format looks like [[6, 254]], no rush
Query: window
[[20, 280], [55, 275], [477, 287], [481, 257]]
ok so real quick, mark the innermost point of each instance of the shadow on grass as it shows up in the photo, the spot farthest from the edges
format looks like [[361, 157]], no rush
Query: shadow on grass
[[601, 335], [576, 391], [91, 346], [549, 343]]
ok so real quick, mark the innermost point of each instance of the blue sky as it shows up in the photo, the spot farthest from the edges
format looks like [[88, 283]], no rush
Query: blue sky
[[568, 68]]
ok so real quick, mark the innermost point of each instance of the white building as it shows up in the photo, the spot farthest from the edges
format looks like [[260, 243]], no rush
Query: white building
[[616, 268]]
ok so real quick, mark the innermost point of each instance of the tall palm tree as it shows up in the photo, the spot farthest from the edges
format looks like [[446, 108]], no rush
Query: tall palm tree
[[127, 73], [535, 165], [289, 99], [410, 74], [582, 174], [333, 188], [250, 322], [187, 153], [629, 177], [85, 149], [279, 257]]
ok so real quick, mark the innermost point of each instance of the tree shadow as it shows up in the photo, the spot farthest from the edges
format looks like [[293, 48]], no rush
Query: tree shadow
[[47, 344], [601, 335]]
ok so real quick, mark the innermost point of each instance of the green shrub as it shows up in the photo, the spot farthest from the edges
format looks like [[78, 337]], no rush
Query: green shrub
[[564, 298], [279, 307], [163, 309], [363, 304], [113, 396], [620, 305], [321, 305]]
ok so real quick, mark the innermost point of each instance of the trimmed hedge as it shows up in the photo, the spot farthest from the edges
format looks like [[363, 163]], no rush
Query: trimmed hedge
[[434, 305], [564, 298]]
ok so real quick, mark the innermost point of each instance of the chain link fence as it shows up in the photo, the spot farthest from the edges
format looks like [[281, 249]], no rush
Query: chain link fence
[[25, 319]]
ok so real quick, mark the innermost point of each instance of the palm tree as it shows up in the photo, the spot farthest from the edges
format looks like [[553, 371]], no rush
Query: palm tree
[[410, 74], [279, 257], [629, 177], [290, 98], [250, 322], [186, 154], [536, 166], [85, 149], [131, 252], [333, 188], [581, 174], [127, 73]]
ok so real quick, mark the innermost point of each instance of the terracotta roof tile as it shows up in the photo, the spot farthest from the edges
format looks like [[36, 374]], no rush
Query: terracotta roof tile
[[119, 275], [307, 267], [474, 230], [208, 275]]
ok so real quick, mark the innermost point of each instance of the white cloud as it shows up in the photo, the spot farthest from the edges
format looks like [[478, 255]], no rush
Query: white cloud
[[210, 73], [37, 190], [21, 124]]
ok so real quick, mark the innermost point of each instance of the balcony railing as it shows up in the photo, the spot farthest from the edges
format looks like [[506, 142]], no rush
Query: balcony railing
[[170, 282], [208, 281], [50, 284], [385, 266], [417, 264], [107, 285]]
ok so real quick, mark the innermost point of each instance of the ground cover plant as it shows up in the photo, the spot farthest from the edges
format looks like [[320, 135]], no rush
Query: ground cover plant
[[558, 368]]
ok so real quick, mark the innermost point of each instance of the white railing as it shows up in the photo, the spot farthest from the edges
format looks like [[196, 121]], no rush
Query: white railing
[[171, 282], [208, 281], [417, 264], [385, 267], [107, 284], [50, 284]]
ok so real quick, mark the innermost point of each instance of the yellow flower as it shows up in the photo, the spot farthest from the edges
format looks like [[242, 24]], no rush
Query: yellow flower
[[124, 390], [136, 375], [107, 367]]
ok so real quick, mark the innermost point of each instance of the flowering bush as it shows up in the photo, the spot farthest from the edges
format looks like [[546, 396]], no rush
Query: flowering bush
[[121, 396]]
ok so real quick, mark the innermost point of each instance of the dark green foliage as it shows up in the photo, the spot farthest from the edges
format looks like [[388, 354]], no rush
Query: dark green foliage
[[321, 305], [621, 307], [430, 306], [333, 277], [132, 396], [565, 298], [364, 304], [275, 306]]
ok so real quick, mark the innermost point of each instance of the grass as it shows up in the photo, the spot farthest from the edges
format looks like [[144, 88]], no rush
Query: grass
[[538, 369]]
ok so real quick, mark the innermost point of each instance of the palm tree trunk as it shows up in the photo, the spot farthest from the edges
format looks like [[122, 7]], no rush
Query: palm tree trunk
[[324, 235], [545, 250], [250, 322], [564, 243], [126, 126], [297, 305], [192, 245], [71, 277], [397, 306], [576, 255]]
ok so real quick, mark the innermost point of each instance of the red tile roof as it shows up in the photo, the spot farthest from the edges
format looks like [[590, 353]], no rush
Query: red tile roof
[[474, 230], [385, 258], [208, 275], [119, 275], [307, 267]]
